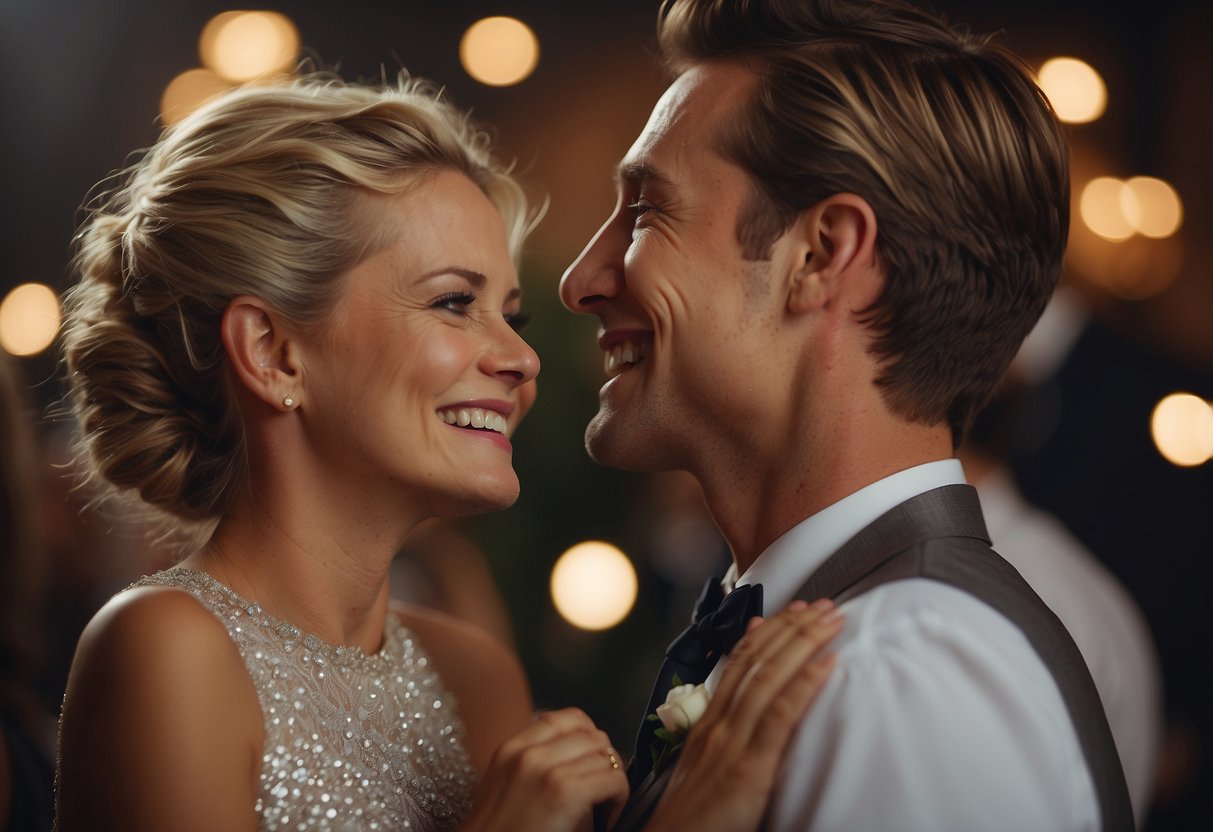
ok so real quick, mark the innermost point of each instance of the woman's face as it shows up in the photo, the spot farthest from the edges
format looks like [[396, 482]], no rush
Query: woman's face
[[420, 374]]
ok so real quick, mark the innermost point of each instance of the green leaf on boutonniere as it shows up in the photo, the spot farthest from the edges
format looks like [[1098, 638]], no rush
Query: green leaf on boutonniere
[[669, 736], [665, 743], [664, 750]]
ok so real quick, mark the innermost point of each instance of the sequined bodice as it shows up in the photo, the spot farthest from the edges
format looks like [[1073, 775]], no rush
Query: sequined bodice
[[352, 742]]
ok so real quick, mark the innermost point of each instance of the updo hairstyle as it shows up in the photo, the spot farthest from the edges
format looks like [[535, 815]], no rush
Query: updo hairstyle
[[253, 194]]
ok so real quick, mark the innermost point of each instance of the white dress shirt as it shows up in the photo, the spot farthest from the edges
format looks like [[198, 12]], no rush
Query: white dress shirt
[[938, 716]]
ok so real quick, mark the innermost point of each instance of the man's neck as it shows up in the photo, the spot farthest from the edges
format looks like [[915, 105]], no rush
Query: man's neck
[[755, 506]]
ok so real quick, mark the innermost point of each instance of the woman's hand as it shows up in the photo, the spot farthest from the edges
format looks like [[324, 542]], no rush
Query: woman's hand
[[726, 772], [548, 777]]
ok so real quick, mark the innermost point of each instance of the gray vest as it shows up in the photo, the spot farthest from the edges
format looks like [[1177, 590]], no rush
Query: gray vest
[[940, 535]]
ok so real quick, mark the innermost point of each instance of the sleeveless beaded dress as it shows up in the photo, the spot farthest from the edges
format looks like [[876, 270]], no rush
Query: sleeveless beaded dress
[[352, 742]]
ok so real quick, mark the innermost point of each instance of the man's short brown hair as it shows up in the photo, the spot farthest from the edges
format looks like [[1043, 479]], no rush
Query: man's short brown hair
[[945, 135]]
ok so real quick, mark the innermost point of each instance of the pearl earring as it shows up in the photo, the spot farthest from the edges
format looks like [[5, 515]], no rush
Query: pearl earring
[[287, 401]]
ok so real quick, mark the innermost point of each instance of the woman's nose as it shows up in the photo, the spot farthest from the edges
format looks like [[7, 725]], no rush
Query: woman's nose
[[513, 359]]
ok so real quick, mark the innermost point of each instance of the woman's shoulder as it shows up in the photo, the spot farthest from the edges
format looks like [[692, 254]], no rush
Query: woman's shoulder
[[158, 622], [155, 673], [158, 649], [453, 640], [484, 675]]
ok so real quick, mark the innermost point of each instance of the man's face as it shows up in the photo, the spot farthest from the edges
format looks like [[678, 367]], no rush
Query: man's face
[[687, 323]]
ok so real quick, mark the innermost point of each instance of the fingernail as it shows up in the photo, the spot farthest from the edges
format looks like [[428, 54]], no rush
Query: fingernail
[[823, 604], [798, 605]]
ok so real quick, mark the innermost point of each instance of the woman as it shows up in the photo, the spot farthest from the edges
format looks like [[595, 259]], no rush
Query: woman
[[295, 338]]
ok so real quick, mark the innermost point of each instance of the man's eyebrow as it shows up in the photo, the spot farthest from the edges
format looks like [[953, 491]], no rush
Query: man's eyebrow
[[638, 173]]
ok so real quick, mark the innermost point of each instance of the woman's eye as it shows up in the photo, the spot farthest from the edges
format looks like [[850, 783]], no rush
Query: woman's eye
[[517, 320], [456, 302]]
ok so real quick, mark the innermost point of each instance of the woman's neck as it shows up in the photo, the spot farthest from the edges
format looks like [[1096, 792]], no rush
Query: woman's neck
[[324, 577]]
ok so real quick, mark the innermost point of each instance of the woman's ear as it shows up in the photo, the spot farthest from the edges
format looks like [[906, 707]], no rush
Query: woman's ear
[[837, 239], [260, 352]]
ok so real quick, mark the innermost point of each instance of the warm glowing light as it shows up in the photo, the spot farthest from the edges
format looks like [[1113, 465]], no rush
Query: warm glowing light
[[1182, 426], [499, 51], [244, 46], [593, 585], [1103, 205], [29, 319], [189, 91], [1156, 209], [1074, 88]]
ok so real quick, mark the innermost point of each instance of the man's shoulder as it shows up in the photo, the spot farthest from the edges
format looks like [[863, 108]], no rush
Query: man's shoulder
[[934, 695], [924, 616]]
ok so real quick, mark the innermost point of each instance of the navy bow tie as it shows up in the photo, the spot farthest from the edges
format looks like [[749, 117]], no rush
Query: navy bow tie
[[718, 624]]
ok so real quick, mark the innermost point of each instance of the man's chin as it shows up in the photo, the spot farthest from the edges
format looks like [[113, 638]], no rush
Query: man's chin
[[609, 443]]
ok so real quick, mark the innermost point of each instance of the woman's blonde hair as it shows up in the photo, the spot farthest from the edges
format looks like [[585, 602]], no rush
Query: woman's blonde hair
[[253, 194]]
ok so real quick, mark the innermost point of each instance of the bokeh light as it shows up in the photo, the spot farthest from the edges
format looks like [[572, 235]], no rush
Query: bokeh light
[[246, 45], [1182, 427], [1074, 88], [29, 319], [187, 92], [499, 51], [1156, 210], [593, 585], [1102, 207]]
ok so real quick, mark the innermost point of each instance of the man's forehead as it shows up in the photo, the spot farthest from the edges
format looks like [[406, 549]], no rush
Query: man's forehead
[[687, 118]]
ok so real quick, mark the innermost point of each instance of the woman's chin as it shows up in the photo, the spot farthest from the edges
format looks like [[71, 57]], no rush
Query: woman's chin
[[486, 498]]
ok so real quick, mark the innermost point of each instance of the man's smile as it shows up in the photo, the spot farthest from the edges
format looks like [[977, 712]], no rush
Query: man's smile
[[625, 355]]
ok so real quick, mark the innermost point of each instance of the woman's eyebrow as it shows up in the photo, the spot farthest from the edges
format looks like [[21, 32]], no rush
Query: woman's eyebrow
[[471, 276]]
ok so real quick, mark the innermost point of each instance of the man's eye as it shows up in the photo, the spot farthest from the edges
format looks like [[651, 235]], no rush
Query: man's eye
[[456, 302], [641, 207]]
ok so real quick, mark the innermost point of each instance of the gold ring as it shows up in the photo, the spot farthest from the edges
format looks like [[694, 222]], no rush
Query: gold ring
[[611, 756]]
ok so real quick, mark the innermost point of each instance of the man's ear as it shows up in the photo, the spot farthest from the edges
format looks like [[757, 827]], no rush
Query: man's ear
[[261, 352], [837, 244]]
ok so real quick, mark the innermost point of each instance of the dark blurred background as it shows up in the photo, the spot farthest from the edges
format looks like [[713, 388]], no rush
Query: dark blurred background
[[81, 88]]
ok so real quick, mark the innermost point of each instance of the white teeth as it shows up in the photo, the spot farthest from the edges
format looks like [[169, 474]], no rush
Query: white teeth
[[474, 418], [628, 353]]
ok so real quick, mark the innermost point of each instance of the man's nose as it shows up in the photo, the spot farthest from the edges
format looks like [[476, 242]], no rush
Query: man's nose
[[597, 273]]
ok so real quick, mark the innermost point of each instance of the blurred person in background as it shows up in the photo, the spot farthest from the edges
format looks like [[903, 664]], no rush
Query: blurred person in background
[[1099, 613], [26, 729], [294, 338]]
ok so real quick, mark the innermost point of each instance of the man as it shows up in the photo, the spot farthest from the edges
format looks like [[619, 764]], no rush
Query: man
[[836, 228]]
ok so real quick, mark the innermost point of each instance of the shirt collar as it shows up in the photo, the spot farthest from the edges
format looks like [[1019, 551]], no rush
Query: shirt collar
[[787, 563]]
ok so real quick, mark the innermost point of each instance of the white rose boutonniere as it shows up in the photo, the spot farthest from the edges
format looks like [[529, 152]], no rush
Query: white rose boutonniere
[[683, 707]]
